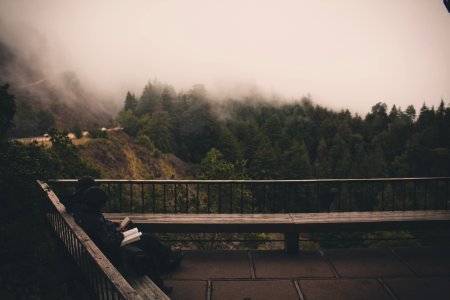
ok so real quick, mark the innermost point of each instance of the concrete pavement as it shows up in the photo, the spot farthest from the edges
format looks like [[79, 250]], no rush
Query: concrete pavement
[[381, 273]]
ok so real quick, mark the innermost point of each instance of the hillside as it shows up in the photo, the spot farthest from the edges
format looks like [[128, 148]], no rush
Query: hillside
[[119, 157], [45, 100]]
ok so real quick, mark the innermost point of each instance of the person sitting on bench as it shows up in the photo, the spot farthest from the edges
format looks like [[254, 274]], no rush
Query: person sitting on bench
[[147, 256]]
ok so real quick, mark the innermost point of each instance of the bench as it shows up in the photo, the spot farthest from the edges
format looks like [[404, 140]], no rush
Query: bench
[[291, 224]]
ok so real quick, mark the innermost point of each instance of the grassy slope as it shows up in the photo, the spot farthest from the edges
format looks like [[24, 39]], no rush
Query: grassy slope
[[118, 157]]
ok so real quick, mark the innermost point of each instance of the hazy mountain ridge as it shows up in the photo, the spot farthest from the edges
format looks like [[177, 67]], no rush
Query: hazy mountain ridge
[[44, 100]]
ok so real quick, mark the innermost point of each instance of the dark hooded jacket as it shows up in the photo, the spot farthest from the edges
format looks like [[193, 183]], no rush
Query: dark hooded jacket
[[101, 231], [82, 185], [147, 256]]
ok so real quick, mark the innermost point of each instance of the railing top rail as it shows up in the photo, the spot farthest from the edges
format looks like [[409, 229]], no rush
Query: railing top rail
[[302, 181]]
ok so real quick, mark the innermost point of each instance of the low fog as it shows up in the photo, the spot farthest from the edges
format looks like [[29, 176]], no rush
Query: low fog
[[345, 54]]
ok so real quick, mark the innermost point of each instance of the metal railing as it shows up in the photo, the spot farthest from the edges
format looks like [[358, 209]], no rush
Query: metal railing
[[99, 274], [270, 196], [225, 196]]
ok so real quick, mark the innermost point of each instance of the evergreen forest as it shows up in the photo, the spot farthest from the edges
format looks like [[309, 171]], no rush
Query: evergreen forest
[[261, 138]]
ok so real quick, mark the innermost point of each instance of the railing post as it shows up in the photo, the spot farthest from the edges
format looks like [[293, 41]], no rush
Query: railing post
[[291, 244], [142, 198], [242, 198], [187, 199], [198, 201], [153, 198], [231, 198]]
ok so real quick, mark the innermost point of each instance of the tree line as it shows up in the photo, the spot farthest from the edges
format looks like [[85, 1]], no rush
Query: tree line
[[258, 139]]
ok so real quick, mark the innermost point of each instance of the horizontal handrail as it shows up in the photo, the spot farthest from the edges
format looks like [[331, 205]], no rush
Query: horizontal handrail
[[306, 181]]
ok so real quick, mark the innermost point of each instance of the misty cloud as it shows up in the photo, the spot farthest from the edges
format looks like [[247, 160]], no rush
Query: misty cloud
[[346, 54]]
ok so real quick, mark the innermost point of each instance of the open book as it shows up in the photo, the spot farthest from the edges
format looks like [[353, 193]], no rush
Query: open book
[[131, 236], [124, 223]]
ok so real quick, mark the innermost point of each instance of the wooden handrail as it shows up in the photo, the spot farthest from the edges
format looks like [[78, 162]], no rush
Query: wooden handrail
[[107, 282], [305, 181]]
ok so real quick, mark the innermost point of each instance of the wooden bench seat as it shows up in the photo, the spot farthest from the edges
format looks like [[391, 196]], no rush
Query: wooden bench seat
[[376, 220], [291, 224], [209, 222]]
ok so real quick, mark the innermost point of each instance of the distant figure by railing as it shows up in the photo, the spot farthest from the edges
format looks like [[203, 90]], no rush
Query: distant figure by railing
[[271, 196]]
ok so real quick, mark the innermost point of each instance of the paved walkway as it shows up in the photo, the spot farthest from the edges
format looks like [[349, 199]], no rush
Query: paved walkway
[[397, 273]]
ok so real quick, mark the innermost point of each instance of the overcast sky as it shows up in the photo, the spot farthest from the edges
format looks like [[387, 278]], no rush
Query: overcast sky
[[344, 53]]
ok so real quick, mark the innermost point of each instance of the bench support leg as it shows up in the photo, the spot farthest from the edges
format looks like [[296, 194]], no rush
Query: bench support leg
[[291, 243]]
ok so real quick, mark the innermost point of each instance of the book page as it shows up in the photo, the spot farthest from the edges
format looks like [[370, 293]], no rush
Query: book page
[[131, 238], [124, 223], [129, 232]]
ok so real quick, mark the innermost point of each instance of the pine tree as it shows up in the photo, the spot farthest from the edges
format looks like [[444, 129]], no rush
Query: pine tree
[[340, 157], [150, 100], [167, 98], [229, 146], [130, 102], [7, 110], [272, 128], [411, 113], [296, 163], [265, 163], [130, 123], [359, 167], [159, 131], [322, 165]]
